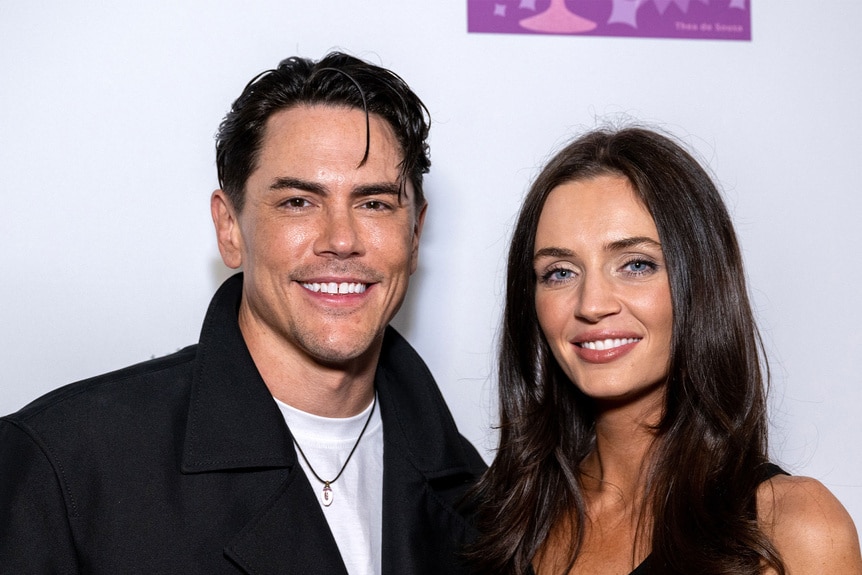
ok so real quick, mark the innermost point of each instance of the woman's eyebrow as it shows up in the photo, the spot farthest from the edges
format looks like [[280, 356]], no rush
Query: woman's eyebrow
[[636, 241], [553, 252], [616, 245]]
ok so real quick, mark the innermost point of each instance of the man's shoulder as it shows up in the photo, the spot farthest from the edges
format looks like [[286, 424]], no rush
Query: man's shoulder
[[420, 411], [400, 359], [140, 384]]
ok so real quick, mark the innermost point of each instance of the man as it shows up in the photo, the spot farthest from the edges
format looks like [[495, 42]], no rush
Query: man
[[302, 434]]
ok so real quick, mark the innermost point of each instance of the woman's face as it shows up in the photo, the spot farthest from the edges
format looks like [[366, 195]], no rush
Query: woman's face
[[602, 291]]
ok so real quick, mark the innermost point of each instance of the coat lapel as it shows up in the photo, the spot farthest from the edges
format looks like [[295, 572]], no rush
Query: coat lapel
[[235, 427], [233, 422], [426, 468], [289, 536]]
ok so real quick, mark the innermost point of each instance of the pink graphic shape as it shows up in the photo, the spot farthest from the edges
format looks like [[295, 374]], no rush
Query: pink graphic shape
[[682, 19], [558, 19]]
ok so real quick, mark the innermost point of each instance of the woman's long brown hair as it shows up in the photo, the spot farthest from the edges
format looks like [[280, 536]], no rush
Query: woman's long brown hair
[[711, 443]]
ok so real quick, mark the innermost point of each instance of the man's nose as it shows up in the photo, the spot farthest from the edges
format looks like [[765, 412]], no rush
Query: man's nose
[[339, 234]]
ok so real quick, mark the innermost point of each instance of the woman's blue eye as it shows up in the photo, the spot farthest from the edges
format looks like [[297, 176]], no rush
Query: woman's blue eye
[[557, 275], [639, 267]]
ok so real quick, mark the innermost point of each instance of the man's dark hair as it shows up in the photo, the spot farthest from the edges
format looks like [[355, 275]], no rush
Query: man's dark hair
[[336, 80]]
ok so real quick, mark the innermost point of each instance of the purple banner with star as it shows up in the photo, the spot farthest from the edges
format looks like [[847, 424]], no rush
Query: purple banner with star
[[702, 19]]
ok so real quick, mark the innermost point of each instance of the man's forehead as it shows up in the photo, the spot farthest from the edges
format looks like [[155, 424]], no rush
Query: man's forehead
[[333, 126], [322, 141], [286, 118]]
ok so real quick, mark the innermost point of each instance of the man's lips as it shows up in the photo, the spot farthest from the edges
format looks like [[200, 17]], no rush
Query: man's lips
[[335, 287]]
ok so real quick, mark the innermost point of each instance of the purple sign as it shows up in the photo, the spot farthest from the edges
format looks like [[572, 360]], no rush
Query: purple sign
[[704, 19]]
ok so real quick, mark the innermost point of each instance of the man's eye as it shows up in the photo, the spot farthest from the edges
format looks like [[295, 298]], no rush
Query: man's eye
[[296, 203], [376, 205]]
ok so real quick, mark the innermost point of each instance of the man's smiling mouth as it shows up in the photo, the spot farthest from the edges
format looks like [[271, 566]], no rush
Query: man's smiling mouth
[[335, 287]]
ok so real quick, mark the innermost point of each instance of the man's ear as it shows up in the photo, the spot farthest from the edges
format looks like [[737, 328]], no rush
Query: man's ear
[[227, 229], [417, 232]]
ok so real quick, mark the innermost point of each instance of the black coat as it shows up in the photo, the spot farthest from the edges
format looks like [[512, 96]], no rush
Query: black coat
[[184, 465]]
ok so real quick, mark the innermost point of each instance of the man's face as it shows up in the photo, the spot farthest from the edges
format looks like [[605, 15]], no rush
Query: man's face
[[326, 247]]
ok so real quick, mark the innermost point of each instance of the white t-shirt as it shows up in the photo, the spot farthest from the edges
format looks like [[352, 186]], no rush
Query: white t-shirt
[[355, 515]]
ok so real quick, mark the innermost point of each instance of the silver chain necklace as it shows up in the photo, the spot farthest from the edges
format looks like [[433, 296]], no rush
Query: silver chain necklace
[[327, 490]]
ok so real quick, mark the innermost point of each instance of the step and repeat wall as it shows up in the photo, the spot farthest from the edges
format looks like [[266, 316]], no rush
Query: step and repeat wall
[[108, 112]]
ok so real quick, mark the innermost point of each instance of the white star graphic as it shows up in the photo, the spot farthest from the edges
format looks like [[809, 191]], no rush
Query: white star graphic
[[500, 10], [662, 5], [528, 4], [625, 12]]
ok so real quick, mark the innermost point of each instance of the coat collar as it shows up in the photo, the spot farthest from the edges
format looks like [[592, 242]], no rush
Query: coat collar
[[234, 423], [413, 411]]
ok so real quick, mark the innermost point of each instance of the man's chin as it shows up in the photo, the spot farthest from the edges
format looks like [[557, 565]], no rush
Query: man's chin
[[344, 352]]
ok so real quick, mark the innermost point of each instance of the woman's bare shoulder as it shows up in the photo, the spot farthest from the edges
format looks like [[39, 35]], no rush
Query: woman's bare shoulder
[[810, 528]]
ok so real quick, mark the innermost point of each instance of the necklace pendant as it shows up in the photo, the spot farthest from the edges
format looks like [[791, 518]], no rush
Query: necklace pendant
[[327, 494]]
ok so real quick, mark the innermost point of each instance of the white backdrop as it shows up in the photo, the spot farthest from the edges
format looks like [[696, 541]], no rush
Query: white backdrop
[[107, 116]]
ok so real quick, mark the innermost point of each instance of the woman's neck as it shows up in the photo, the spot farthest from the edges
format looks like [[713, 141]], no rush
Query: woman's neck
[[625, 441]]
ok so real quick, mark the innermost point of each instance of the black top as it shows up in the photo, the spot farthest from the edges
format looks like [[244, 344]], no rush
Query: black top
[[644, 568], [184, 464]]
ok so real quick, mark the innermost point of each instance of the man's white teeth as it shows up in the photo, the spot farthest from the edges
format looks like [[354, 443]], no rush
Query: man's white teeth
[[603, 344], [332, 287]]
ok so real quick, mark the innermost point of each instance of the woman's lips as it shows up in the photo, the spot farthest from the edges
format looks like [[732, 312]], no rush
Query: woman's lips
[[604, 350]]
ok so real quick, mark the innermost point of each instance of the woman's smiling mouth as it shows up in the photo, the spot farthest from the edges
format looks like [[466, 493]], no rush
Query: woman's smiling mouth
[[603, 344]]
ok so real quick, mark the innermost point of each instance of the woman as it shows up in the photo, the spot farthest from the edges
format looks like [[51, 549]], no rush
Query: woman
[[632, 411]]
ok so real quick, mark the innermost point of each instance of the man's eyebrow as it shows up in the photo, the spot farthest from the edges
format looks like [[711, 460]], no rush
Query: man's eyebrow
[[373, 189], [289, 183], [382, 188]]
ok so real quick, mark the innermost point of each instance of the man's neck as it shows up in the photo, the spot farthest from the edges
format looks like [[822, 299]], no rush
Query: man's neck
[[320, 393], [299, 380]]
